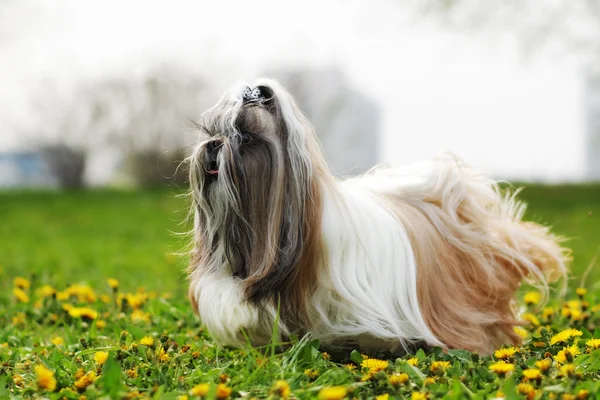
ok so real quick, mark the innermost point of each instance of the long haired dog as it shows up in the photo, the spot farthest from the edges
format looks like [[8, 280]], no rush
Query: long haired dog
[[429, 254]]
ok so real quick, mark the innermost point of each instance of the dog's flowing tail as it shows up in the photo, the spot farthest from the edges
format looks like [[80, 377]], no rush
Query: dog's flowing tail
[[472, 250]]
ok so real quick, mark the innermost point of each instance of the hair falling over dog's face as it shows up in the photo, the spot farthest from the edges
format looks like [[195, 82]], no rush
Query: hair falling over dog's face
[[254, 189]]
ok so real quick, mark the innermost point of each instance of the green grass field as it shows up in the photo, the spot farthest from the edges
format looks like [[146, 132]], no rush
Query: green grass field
[[65, 333]]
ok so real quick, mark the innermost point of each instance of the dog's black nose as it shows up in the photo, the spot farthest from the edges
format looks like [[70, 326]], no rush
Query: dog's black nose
[[212, 147]]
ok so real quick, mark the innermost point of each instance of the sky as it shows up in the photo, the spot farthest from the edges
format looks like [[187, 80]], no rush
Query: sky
[[513, 116]]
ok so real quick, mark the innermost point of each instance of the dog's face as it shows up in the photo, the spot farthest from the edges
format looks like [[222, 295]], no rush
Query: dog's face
[[254, 183]]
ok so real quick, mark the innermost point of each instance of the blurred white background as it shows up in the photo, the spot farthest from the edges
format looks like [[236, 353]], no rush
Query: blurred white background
[[508, 86]]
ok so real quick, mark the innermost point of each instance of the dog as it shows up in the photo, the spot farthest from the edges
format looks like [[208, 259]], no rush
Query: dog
[[429, 254]]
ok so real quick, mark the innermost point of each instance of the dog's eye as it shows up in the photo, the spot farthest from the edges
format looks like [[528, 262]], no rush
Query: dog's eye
[[246, 137]]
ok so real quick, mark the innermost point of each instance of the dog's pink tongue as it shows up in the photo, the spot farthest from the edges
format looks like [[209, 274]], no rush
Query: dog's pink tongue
[[213, 171]]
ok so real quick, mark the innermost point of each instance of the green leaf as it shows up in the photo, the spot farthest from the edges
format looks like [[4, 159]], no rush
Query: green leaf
[[420, 355], [462, 355], [510, 389], [112, 377], [136, 332], [356, 357]]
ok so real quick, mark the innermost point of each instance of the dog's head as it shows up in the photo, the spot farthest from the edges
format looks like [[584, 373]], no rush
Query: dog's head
[[254, 178]]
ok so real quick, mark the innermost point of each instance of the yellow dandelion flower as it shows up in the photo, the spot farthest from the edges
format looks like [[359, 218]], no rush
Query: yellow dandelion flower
[[532, 297], [200, 390], [85, 381], [523, 333], [113, 283], [567, 354], [21, 283], [532, 374], [17, 379], [100, 324], [332, 393], [384, 396], [132, 373], [593, 344], [82, 312], [374, 365], [576, 314], [565, 335], [79, 373], [583, 394], [45, 378], [19, 319], [565, 396], [567, 370], [4, 345], [501, 368], [57, 341], [223, 391], [20, 295], [581, 291], [526, 389], [140, 316], [438, 367], [596, 308], [147, 341], [547, 313], [413, 361], [429, 381], [282, 388], [398, 379], [350, 367], [503, 354], [326, 356], [183, 397], [310, 373], [100, 357], [418, 396], [46, 291], [532, 319], [543, 365], [162, 355], [565, 312]]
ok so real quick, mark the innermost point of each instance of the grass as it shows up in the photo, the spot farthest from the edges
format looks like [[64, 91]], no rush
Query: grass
[[65, 332]]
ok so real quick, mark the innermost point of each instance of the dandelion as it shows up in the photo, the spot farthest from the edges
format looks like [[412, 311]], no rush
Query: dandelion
[[19, 319], [526, 389], [20, 295], [438, 367], [46, 291], [162, 355], [17, 379], [132, 373], [57, 341], [583, 394], [503, 354], [567, 354], [521, 332], [501, 368], [84, 381], [140, 316], [113, 283], [374, 365], [311, 374], [418, 396], [581, 291], [332, 393], [282, 388], [567, 370], [147, 341], [532, 374], [100, 357], [382, 397], [532, 298], [349, 367], [543, 365], [82, 312], [223, 391], [183, 397], [532, 319], [326, 356], [21, 283], [398, 379], [45, 378], [200, 390], [593, 344], [565, 335]]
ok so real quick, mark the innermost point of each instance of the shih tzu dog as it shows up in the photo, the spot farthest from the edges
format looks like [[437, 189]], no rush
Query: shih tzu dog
[[430, 254]]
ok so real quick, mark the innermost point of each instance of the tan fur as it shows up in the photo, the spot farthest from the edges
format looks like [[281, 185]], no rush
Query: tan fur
[[472, 253]]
